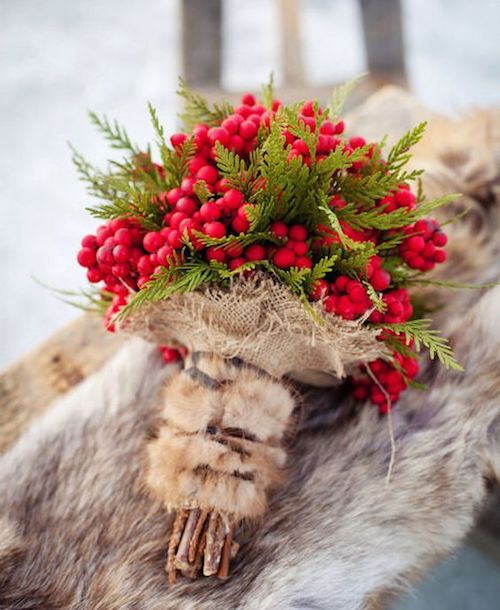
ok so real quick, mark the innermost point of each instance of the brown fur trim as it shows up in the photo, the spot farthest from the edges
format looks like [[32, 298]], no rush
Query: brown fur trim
[[198, 460]]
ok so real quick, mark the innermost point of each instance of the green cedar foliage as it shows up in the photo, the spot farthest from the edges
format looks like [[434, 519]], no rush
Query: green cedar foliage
[[276, 187]]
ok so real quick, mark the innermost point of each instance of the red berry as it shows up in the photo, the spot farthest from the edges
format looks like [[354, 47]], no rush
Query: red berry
[[234, 251], [169, 354], [237, 144], [300, 248], [439, 239], [123, 237], [439, 256], [301, 147], [208, 173], [233, 199], [186, 205], [121, 270], [94, 275], [279, 228], [339, 127], [177, 139], [356, 291], [357, 142], [209, 211], [216, 254], [380, 279], [331, 303], [163, 254], [104, 255], [243, 110], [240, 224], [176, 219], [144, 267], [284, 258], [248, 130], [102, 234], [89, 241], [86, 257], [143, 280], [255, 252], [121, 253], [405, 198], [219, 134], [214, 229], [297, 233], [303, 262], [187, 185], [248, 99], [345, 308], [175, 239], [308, 108], [320, 289], [230, 124], [327, 128], [235, 263], [415, 243]]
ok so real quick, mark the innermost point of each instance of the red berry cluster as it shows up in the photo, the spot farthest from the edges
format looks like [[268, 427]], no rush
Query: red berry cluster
[[398, 308], [113, 256], [386, 382], [171, 354], [423, 247], [400, 198], [344, 297], [124, 256]]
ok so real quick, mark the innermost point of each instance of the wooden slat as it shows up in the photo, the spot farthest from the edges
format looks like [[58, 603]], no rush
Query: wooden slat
[[202, 42], [292, 62], [383, 36], [28, 386]]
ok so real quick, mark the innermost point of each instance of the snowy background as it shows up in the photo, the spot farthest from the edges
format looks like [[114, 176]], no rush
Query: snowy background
[[59, 58]]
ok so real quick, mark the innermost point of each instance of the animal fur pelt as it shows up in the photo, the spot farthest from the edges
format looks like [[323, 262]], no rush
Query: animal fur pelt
[[79, 532]]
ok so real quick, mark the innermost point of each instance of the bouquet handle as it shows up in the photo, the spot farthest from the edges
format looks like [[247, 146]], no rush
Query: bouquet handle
[[217, 454]]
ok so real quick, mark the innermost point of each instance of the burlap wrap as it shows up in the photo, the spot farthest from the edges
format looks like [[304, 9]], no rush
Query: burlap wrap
[[261, 321]]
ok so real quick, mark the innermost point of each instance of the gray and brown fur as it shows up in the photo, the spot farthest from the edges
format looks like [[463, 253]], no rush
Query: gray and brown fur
[[77, 530]]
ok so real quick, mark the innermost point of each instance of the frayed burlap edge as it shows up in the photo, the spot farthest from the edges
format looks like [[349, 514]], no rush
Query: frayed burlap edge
[[261, 321]]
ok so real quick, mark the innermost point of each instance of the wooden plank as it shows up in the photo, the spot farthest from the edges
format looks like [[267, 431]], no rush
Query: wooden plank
[[28, 386], [201, 42], [292, 61], [383, 36]]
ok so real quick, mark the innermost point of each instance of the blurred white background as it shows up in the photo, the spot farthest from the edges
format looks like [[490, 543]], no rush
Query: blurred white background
[[58, 59]]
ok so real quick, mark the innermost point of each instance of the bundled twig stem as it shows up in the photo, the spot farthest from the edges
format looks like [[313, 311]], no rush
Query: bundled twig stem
[[200, 542]]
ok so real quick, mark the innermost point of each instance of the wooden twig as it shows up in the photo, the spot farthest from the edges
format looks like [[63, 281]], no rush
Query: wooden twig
[[215, 540], [223, 572], [180, 521], [193, 545], [181, 557]]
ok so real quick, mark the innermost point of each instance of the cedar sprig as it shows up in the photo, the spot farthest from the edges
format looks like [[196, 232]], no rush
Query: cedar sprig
[[400, 154], [375, 219], [198, 110], [267, 92], [421, 334], [114, 133]]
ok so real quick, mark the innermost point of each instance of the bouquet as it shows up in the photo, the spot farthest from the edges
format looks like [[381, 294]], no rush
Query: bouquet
[[261, 245]]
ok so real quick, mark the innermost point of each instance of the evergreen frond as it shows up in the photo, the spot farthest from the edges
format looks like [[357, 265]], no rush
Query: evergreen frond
[[420, 332], [198, 110], [340, 95], [375, 298], [267, 91], [114, 133], [399, 154]]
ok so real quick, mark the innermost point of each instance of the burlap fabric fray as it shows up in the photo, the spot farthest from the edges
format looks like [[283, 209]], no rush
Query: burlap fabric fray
[[261, 321]]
